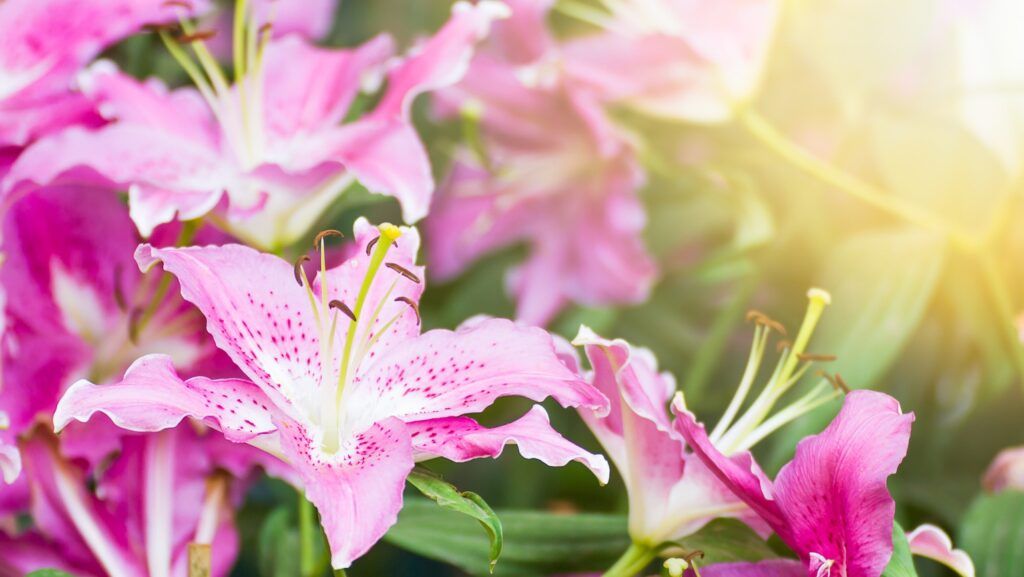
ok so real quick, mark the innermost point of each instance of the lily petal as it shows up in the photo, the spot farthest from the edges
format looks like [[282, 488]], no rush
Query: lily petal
[[442, 60], [462, 439], [932, 542], [450, 373], [836, 485], [358, 490], [152, 397], [769, 568], [10, 462], [254, 311]]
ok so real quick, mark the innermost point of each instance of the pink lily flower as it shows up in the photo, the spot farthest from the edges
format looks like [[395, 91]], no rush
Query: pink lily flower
[[341, 384], [550, 171], [158, 495], [672, 494], [43, 45], [829, 504], [693, 60], [272, 147], [1006, 471]]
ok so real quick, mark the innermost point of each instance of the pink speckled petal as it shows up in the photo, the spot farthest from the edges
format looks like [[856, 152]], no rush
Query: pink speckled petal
[[451, 373], [770, 568], [932, 542], [255, 311], [152, 397], [462, 439], [358, 490]]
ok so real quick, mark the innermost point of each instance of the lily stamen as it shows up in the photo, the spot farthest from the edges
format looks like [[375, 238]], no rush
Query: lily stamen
[[338, 305], [412, 304], [300, 274], [318, 241], [403, 271]]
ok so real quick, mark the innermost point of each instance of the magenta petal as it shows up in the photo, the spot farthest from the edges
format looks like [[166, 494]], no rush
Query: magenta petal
[[833, 493], [358, 491], [152, 397], [450, 373], [10, 462], [462, 439], [770, 568], [739, 472]]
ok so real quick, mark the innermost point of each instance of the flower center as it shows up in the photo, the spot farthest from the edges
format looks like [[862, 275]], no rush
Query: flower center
[[732, 434], [359, 337], [238, 109]]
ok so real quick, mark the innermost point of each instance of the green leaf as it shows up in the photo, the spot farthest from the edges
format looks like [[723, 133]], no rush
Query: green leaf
[[992, 533], [728, 541], [470, 504], [535, 543], [901, 564], [49, 573]]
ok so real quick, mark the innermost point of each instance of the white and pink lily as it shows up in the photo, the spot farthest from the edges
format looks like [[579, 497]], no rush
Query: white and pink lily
[[340, 383], [272, 150]]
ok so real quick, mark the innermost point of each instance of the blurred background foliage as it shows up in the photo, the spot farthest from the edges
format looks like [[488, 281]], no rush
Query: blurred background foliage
[[856, 170]]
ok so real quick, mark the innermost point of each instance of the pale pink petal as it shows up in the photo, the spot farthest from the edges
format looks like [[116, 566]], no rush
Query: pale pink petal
[[451, 373], [309, 18], [932, 542], [27, 118], [523, 37], [1006, 472], [384, 154], [442, 60], [255, 311], [462, 439], [358, 490], [308, 88], [129, 154], [123, 98], [833, 493], [152, 397]]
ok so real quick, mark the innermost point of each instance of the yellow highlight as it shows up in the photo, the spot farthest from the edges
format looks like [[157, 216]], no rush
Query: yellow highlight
[[390, 231], [820, 295]]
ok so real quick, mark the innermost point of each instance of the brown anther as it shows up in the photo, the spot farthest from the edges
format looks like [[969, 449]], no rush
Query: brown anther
[[403, 271], [266, 28], [133, 325], [298, 269], [782, 345], [370, 245], [324, 234], [816, 357], [835, 380], [689, 557], [765, 320], [178, 4], [198, 36], [119, 299], [412, 304], [336, 304]]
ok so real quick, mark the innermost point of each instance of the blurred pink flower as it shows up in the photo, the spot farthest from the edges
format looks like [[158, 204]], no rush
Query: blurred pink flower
[[341, 384], [550, 170], [44, 44], [672, 494], [932, 542], [693, 60], [1006, 471], [136, 515], [10, 458], [274, 145], [830, 503]]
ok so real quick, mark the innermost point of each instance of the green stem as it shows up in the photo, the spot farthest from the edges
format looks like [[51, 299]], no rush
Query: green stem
[[633, 561], [792, 153], [307, 549], [339, 573]]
